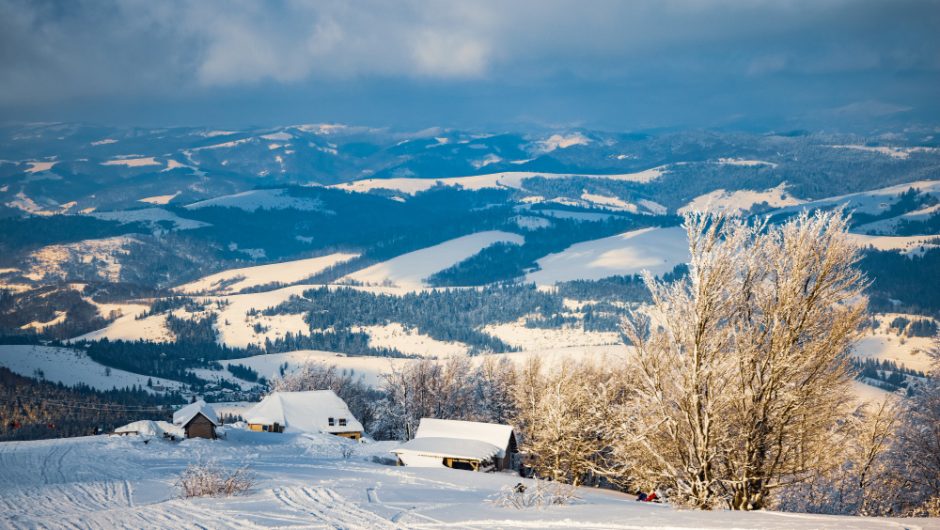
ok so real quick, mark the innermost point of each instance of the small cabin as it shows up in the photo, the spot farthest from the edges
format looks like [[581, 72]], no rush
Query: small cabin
[[198, 420], [310, 411], [457, 444]]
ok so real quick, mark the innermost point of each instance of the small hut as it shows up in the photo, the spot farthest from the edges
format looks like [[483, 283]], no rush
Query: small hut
[[311, 411], [198, 420], [457, 444]]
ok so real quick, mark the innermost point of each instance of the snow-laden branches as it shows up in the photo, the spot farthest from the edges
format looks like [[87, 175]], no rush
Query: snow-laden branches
[[741, 368]]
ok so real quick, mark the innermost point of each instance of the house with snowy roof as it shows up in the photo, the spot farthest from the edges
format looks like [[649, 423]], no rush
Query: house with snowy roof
[[460, 445], [310, 411], [198, 420]]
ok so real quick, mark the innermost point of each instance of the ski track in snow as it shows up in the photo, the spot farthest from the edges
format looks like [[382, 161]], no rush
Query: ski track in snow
[[303, 481], [330, 508]]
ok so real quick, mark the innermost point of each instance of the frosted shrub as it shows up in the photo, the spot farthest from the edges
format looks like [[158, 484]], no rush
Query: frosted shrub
[[542, 494], [210, 480]]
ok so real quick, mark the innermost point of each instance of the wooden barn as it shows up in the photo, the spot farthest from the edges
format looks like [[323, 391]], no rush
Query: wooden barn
[[311, 411], [460, 445], [198, 420]]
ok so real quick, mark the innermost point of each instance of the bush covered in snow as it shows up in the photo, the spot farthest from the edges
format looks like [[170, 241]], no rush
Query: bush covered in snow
[[210, 480], [543, 493]]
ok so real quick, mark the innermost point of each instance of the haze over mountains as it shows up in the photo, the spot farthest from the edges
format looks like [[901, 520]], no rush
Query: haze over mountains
[[212, 239]]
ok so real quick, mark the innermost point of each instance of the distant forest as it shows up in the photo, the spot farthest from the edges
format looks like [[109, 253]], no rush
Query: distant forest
[[34, 409]]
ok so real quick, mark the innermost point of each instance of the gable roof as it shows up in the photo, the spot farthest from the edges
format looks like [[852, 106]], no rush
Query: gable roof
[[188, 413], [494, 434], [304, 411], [448, 448]]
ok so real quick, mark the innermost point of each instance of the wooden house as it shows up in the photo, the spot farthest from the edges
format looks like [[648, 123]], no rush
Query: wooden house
[[311, 411], [198, 420], [460, 445]]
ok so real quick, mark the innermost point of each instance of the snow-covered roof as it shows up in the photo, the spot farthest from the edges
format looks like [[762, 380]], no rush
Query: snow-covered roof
[[304, 411], [449, 448], [494, 434], [147, 427], [186, 414], [150, 428]]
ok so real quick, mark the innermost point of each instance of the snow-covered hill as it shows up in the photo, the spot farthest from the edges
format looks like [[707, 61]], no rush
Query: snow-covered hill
[[511, 179], [658, 250], [270, 199], [741, 201], [409, 271], [235, 280], [71, 367]]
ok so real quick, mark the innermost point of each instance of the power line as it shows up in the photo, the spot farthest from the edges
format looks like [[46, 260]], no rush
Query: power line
[[104, 407]]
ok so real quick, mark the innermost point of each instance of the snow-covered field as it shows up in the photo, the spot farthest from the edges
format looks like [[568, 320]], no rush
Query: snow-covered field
[[50, 262], [906, 244], [133, 162], [884, 343], [901, 153], [151, 216], [304, 481], [410, 341], [657, 249], [741, 201], [529, 339], [70, 367], [252, 200], [234, 280], [874, 201], [128, 327], [409, 271], [509, 179]]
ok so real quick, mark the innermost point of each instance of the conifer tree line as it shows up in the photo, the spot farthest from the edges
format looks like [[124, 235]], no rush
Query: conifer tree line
[[737, 392]]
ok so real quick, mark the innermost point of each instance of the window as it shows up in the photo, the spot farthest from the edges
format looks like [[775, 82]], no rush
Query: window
[[342, 422], [331, 422]]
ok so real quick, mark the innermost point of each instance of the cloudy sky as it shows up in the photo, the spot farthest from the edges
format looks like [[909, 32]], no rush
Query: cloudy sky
[[617, 65]]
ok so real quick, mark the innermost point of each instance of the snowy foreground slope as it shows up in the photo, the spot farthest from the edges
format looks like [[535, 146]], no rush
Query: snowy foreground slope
[[303, 481]]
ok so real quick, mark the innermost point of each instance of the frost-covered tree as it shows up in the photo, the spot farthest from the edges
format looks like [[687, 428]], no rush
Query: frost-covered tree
[[564, 414], [426, 389], [919, 444], [742, 367]]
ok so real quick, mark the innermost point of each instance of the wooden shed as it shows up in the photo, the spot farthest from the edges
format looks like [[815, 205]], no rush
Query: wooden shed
[[198, 420], [460, 445]]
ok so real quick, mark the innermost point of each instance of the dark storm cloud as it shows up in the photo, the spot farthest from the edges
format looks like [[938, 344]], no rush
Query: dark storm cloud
[[449, 61]]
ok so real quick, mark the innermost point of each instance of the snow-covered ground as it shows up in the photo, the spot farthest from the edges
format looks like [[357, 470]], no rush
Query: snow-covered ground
[[884, 343], [128, 327], [71, 367], [269, 365], [901, 153], [874, 201], [741, 201], [518, 335], [50, 262], [304, 481], [160, 199], [658, 250], [409, 341], [409, 271], [269, 199], [235, 280], [150, 216], [133, 162], [744, 162], [906, 244], [509, 179], [888, 226]]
